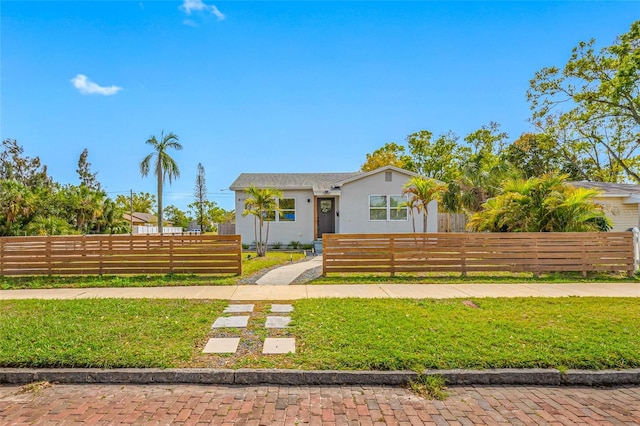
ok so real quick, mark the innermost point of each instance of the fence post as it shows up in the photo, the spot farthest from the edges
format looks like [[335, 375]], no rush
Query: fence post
[[393, 255], [324, 257], [1, 256], [636, 248]]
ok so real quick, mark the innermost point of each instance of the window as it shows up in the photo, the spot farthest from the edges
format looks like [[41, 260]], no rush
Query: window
[[377, 207], [287, 210], [388, 176], [387, 207]]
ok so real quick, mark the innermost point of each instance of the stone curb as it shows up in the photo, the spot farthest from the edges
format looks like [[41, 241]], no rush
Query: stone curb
[[520, 377]]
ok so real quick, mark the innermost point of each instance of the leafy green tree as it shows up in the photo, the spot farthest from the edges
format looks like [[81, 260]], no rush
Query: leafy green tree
[[165, 167], [143, 202], [592, 107], [26, 170], [483, 170], [391, 154], [17, 203], [541, 204], [439, 159], [200, 194], [51, 225], [177, 216], [422, 191], [87, 178], [261, 203]]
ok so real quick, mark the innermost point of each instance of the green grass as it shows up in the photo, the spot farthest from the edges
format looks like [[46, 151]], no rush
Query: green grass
[[106, 333], [480, 278], [342, 334], [250, 266]]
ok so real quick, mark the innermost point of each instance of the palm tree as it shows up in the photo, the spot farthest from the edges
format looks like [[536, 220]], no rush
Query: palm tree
[[261, 203], [164, 167], [423, 191]]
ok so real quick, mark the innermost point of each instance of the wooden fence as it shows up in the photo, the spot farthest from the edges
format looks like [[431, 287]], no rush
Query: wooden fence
[[473, 252], [121, 254], [452, 222]]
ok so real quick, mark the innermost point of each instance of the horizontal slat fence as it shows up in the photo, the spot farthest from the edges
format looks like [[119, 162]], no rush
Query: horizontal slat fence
[[121, 254], [478, 252]]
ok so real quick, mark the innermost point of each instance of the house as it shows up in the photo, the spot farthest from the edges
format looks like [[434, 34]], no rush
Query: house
[[314, 204], [621, 202], [141, 219], [146, 223]]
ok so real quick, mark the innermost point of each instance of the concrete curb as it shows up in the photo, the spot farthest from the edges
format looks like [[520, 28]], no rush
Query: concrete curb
[[520, 377]]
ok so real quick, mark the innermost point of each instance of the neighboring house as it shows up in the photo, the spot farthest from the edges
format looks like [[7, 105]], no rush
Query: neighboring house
[[141, 219], [314, 204], [621, 202], [146, 223]]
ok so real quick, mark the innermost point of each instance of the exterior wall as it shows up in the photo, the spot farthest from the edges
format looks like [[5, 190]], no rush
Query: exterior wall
[[354, 207], [623, 216], [300, 230]]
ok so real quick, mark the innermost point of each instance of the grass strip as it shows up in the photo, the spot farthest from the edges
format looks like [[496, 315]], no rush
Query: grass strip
[[474, 277], [341, 334]]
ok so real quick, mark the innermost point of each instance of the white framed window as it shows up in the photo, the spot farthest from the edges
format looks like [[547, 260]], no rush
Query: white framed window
[[388, 208]]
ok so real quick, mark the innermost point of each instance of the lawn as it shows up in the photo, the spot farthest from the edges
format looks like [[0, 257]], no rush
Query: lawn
[[251, 265], [474, 277], [343, 334]]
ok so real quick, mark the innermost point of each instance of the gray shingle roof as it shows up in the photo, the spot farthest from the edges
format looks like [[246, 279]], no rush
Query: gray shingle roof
[[290, 180]]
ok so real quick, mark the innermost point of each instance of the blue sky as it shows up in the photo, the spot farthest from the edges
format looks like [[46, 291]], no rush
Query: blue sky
[[270, 86]]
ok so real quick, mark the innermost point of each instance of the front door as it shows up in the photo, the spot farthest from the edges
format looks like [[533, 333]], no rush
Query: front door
[[326, 216]]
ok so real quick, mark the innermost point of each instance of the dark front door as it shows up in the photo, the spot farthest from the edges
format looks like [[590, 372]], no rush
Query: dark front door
[[326, 216]]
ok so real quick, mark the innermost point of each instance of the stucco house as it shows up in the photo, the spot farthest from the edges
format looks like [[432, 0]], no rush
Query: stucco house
[[314, 204], [621, 203]]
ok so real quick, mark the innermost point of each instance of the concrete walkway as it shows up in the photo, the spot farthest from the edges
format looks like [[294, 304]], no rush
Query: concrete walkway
[[285, 275], [367, 291]]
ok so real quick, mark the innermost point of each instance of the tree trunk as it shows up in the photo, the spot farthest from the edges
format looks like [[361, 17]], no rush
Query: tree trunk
[[160, 224]]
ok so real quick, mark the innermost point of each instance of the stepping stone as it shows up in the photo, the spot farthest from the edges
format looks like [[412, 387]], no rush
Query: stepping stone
[[277, 322], [283, 309], [279, 345], [222, 345], [238, 308], [232, 322]]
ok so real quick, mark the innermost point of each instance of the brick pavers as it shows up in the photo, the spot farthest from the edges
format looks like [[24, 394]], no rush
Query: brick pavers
[[310, 405]]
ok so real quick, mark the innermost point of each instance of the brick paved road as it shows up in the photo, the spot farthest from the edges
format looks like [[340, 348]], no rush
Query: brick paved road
[[346, 405]]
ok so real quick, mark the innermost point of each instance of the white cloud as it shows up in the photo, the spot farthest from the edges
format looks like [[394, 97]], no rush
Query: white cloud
[[189, 6], [88, 87]]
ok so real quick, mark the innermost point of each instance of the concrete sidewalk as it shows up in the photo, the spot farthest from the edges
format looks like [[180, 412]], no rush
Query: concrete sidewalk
[[367, 291], [285, 275]]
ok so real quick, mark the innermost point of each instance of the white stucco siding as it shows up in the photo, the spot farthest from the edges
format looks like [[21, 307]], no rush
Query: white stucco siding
[[300, 230], [623, 216], [354, 206]]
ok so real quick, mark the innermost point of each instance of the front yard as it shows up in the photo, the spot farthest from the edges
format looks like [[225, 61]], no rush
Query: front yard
[[343, 334]]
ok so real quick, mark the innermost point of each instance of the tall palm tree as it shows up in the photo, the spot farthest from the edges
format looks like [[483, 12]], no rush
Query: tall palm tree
[[423, 191], [164, 165], [261, 203]]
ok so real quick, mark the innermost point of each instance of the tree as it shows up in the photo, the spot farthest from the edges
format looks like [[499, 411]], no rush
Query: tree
[[200, 193], [17, 203], [541, 204], [143, 202], [212, 214], [165, 167], [177, 216], [422, 191], [483, 170], [87, 178], [601, 94], [391, 154], [26, 170], [262, 204], [439, 159]]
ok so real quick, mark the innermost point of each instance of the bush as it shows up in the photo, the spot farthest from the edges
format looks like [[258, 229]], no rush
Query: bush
[[294, 244]]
